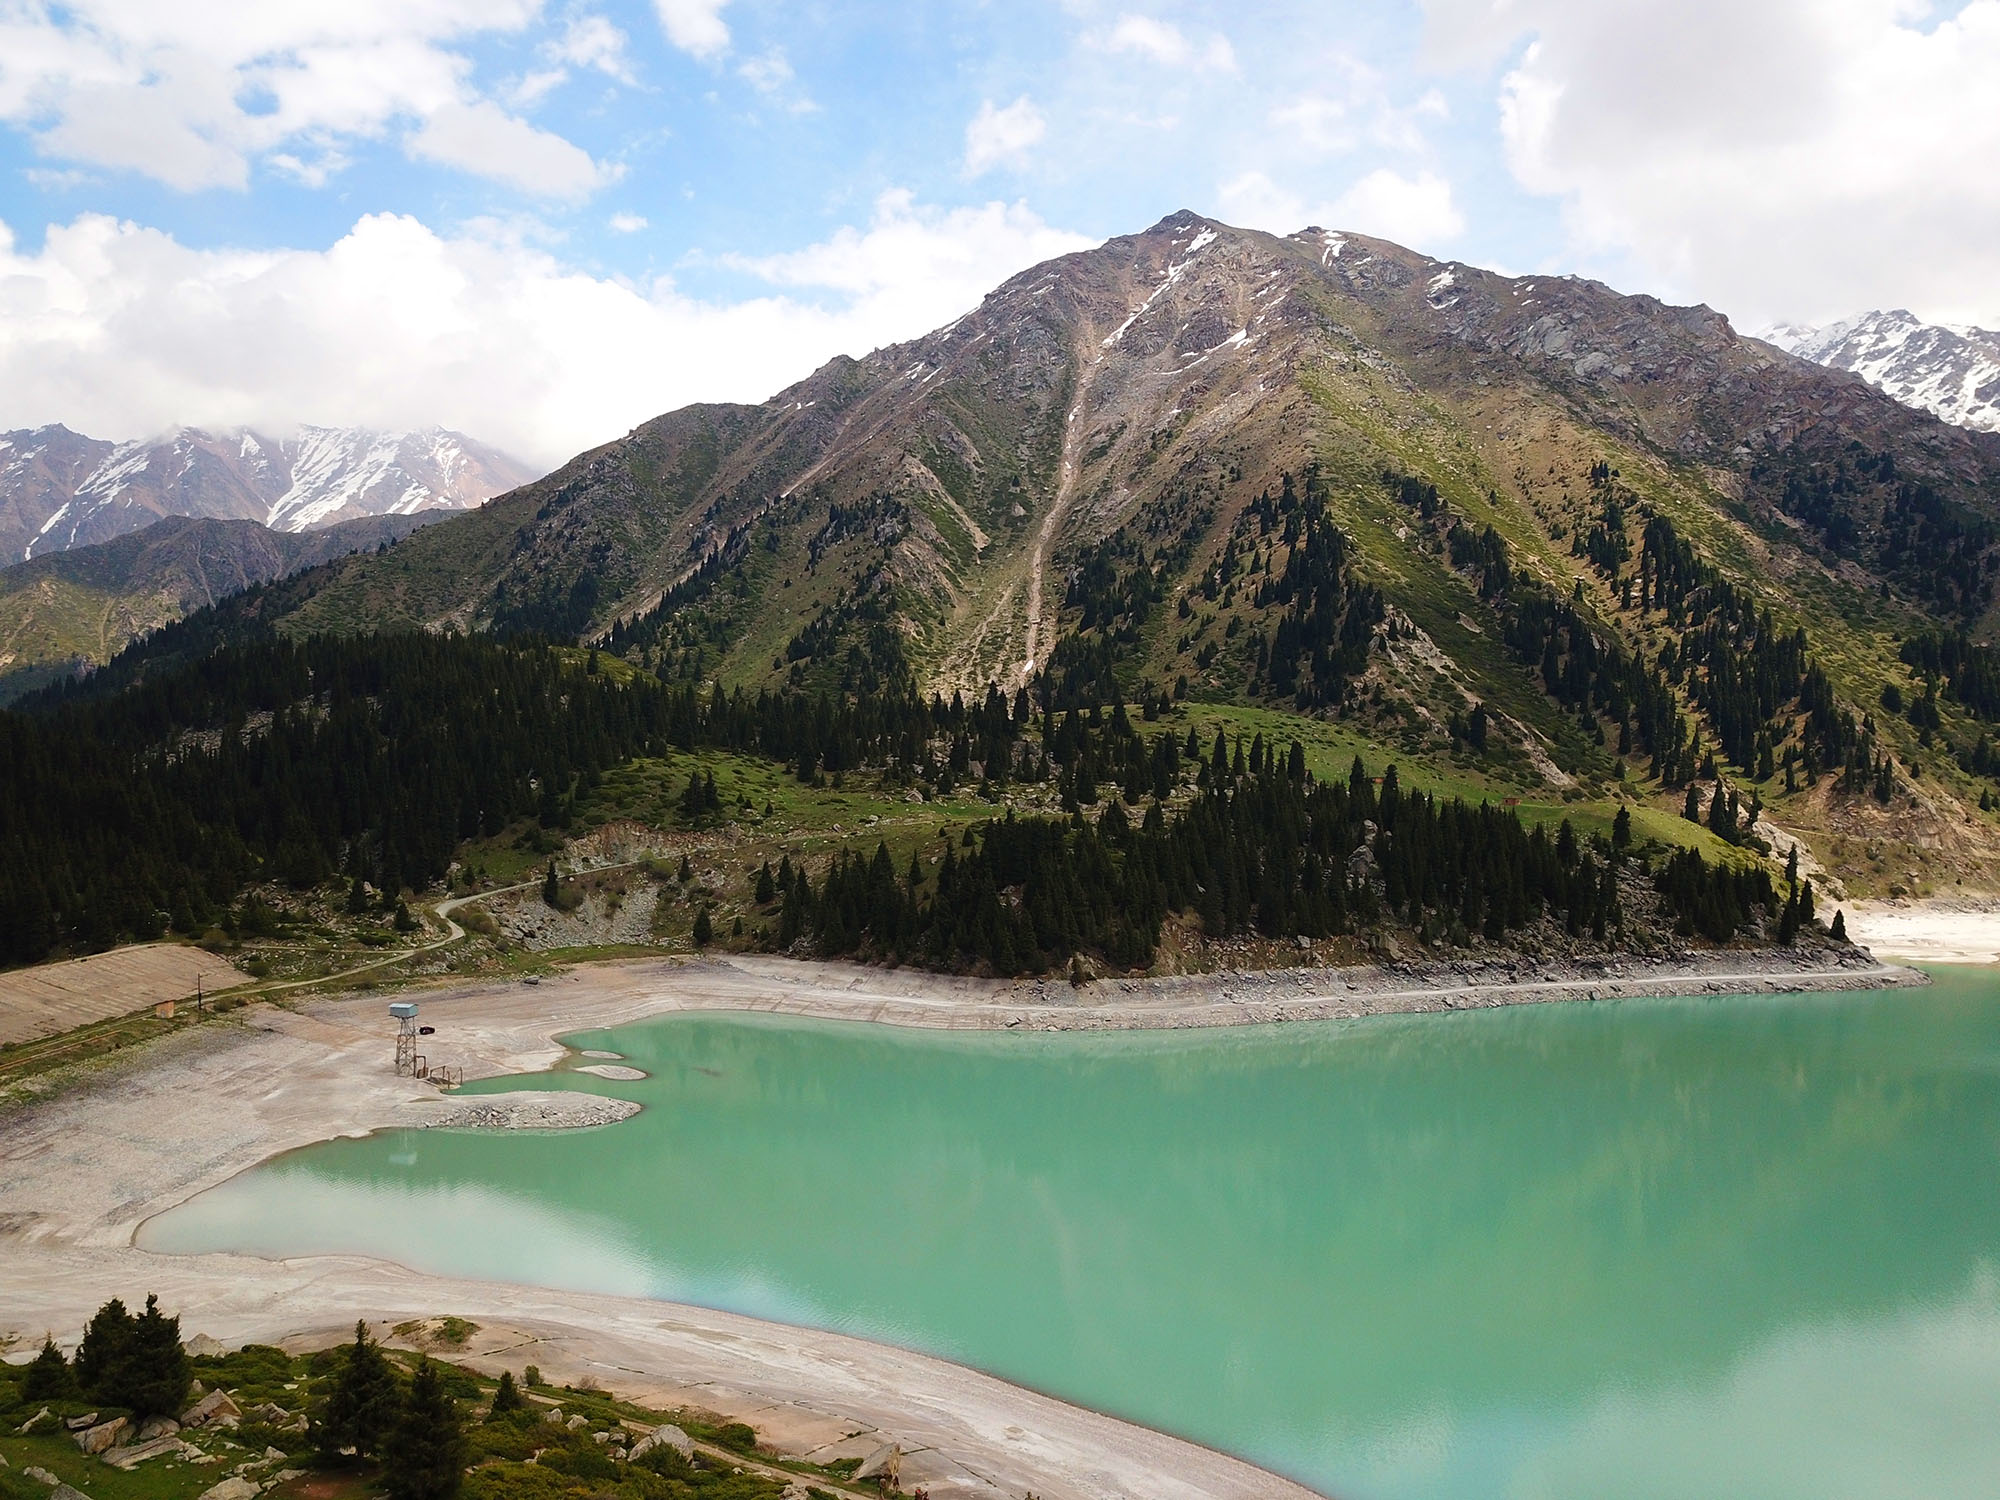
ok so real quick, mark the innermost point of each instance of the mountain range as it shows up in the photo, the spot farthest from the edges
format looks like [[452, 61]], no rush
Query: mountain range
[[69, 610], [1571, 531], [59, 489], [1951, 370]]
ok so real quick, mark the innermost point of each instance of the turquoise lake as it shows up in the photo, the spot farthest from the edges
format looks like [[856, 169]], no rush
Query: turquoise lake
[[1716, 1249]]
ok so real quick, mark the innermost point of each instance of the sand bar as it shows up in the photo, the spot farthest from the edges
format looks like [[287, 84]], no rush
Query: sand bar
[[90, 1161]]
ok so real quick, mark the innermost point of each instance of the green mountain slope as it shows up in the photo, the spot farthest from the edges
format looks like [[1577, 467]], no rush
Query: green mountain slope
[[1548, 541], [79, 608]]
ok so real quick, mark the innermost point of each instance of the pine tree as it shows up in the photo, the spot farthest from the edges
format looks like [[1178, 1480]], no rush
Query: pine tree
[[153, 1376], [101, 1355], [506, 1398], [49, 1378], [1621, 829], [359, 1409], [551, 890], [704, 930], [1840, 927], [424, 1455], [1691, 809]]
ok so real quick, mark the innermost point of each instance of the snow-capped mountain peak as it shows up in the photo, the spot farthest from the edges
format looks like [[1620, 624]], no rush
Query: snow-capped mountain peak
[[60, 490], [1952, 370]]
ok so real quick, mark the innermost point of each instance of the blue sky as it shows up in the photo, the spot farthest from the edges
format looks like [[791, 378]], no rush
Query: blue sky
[[544, 222]]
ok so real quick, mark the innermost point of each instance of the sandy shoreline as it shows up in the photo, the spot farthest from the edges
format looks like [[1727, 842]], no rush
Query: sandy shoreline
[[87, 1165], [1934, 932]]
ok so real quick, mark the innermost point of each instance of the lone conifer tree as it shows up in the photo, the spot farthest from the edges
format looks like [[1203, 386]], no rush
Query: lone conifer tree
[[704, 930], [424, 1456], [506, 1397], [549, 886], [360, 1408]]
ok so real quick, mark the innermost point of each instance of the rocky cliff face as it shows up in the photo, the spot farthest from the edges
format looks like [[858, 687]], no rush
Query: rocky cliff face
[[1953, 372], [59, 489]]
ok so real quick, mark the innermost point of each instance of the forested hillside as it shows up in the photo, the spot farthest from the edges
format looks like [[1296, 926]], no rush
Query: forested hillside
[[1537, 542], [370, 761]]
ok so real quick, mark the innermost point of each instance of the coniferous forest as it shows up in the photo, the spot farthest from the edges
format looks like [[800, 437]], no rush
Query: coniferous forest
[[129, 811]]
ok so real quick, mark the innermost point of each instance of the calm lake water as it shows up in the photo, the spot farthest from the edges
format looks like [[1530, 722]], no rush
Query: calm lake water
[[1716, 1249]]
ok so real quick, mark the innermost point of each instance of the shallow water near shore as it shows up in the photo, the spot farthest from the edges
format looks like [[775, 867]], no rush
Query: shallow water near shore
[[1726, 1247]]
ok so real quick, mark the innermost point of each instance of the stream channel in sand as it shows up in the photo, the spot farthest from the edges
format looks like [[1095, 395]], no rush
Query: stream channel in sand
[[1746, 1246]]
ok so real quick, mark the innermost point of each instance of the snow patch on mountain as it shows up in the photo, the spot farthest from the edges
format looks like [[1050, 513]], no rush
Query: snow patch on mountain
[[1951, 370]]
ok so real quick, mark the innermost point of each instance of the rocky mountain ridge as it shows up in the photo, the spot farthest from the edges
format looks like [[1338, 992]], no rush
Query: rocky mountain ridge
[[59, 489], [1099, 481]]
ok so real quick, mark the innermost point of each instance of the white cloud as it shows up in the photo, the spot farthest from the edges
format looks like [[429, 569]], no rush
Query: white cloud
[[1166, 44], [1001, 135], [624, 223], [484, 139], [193, 95], [1417, 211], [1795, 159], [770, 74], [695, 26], [587, 41], [945, 261], [593, 42], [122, 331], [1360, 112]]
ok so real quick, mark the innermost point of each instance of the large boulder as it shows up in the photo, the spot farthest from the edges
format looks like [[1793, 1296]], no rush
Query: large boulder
[[130, 1457], [156, 1427], [213, 1407], [664, 1436], [235, 1487], [102, 1436], [886, 1461], [66, 1492]]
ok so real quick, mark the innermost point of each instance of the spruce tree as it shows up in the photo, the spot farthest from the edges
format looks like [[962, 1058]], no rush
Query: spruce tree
[[101, 1355], [359, 1409], [550, 889], [424, 1455], [49, 1378], [506, 1397], [153, 1377], [1840, 927], [1621, 829], [704, 930], [1691, 809]]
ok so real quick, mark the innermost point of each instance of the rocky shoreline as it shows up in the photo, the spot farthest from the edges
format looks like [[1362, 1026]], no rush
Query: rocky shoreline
[[1245, 997], [531, 1110]]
